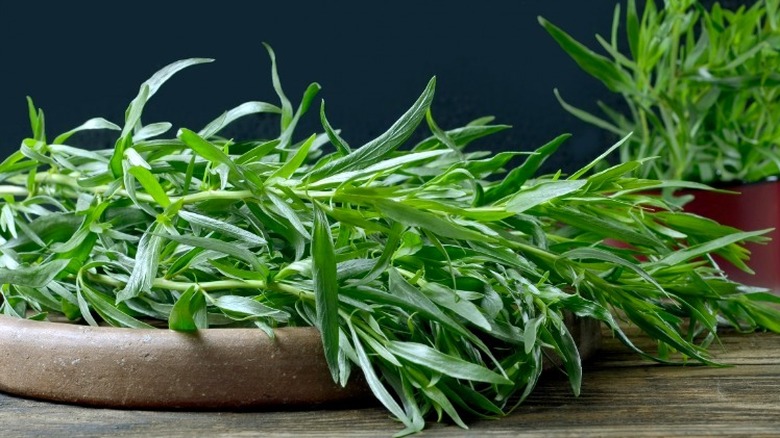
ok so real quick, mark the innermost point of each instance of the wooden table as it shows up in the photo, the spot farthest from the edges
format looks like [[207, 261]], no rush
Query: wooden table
[[622, 396]]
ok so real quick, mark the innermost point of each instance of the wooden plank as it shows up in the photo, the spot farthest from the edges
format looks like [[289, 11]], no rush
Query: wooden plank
[[621, 396]]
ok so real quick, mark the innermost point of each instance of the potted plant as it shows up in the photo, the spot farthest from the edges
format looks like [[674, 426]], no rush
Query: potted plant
[[700, 91], [438, 278]]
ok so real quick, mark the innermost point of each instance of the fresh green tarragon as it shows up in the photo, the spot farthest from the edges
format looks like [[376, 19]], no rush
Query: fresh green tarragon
[[428, 268]]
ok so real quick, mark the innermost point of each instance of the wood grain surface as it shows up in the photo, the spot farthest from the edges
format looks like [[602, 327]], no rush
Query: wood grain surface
[[622, 396]]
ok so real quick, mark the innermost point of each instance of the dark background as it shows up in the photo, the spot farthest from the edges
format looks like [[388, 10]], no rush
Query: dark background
[[371, 58]]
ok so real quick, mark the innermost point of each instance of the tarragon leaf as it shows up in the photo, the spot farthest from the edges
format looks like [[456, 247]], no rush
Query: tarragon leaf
[[96, 123], [433, 359], [222, 227], [189, 311], [378, 148], [245, 109], [541, 193], [33, 276], [235, 304], [326, 289], [144, 271], [217, 245]]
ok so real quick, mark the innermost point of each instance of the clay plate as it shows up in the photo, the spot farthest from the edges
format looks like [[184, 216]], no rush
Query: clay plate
[[162, 369]]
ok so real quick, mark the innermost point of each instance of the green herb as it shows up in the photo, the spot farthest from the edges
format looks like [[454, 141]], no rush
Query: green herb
[[440, 279], [701, 88]]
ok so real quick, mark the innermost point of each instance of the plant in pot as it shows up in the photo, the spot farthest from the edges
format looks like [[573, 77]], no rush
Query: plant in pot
[[700, 90], [442, 281]]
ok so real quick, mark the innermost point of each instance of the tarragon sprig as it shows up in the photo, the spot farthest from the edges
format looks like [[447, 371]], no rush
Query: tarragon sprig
[[700, 83], [425, 267]]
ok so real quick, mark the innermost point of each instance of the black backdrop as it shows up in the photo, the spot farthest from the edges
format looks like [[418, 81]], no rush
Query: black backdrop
[[371, 58]]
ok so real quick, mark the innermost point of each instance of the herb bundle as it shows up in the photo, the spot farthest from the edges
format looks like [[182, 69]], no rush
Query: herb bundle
[[440, 277], [701, 88]]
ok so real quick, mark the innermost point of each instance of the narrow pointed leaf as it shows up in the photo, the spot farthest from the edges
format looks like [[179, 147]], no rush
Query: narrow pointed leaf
[[96, 123], [378, 148], [249, 307], [541, 193], [243, 110], [421, 219], [593, 63], [518, 176], [449, 365], [144, 271], [287, 170], [224, 228], [217, 245], [341, 146], [150, 185], [186, 310], [326, 289], [33, 276]]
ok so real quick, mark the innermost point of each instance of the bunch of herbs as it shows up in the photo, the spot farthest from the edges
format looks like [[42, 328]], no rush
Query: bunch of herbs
[[426, 267], [701, 88]]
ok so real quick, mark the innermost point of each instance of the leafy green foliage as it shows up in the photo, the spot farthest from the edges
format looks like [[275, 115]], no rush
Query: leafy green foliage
[[701, 88], [442, 279]]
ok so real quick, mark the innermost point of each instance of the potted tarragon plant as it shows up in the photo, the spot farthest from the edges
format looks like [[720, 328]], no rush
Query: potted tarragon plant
[[700, 88], [423, 272]]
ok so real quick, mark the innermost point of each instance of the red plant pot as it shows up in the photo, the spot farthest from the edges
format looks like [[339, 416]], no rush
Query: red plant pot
[[756, 207]]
